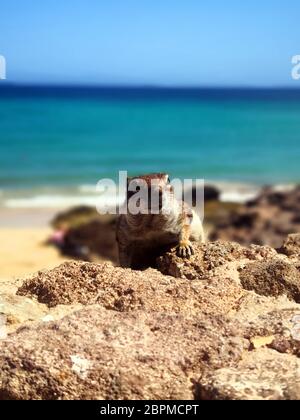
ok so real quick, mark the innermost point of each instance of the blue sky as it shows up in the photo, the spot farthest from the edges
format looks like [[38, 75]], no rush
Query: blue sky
[[152, 42]]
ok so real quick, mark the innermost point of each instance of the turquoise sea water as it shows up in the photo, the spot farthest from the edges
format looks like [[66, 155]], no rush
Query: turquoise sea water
[[59, 138]]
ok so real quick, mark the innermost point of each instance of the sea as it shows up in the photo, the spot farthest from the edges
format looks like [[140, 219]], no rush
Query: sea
[[57, 142]]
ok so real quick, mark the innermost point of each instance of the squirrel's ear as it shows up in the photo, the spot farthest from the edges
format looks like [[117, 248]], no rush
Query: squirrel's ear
[[128, 180]]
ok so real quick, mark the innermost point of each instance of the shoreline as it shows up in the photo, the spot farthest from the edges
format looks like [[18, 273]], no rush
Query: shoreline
[[37, 210], [49, 200]]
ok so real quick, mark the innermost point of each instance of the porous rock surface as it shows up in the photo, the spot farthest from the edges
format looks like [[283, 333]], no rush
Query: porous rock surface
[[224, 324], [101, 354]]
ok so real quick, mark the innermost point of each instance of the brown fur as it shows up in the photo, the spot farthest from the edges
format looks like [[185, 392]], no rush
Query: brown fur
[[143, 237]]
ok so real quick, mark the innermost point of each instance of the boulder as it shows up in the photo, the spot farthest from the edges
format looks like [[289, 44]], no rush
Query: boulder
[[94, 240], [127, 290], [100, 354], [266, 220], [291, 246], [16, 311], [211, 193], [272, 278], [85, 234], [261, 375], [224, 324], [212, 258]]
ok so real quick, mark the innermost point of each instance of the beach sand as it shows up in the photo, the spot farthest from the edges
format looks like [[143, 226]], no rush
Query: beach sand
[[23, 251]]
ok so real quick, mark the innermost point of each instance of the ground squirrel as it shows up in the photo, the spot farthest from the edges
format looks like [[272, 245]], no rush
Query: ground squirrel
[[143, 237]]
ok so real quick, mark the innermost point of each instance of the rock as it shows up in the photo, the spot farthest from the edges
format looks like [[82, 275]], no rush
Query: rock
[[291, 245], [211, 193], [215, 211], [272, 278], [19, 310], [261, 375], [210, 259], [263, 316], [224, 324], [92, 241], [87, 235], [74, 217], [267, 220], [100, 354], [127, 290]]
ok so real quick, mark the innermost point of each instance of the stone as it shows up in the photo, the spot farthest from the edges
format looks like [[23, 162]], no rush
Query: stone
[[127, 290], [224, 324], [272, 278], [265, 220], [100, 354], [291, 246], [16, 311], [261, 375], [212, 258]]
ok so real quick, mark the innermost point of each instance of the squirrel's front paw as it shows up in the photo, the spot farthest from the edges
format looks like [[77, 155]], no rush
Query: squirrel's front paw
[[185, 249]]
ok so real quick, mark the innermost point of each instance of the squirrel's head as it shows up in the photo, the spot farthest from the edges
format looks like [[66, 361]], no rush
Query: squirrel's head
[[148, 194]]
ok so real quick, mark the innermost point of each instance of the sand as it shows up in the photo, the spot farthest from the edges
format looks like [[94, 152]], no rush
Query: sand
[[23, 252], [27, 217]]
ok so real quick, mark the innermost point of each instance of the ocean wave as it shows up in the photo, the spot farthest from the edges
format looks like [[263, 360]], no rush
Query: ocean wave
[[87, 188], [60, 201], [241, 193], [229, 192]]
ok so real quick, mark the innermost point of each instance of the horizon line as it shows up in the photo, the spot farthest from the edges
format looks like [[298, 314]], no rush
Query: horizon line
[[5, 83]]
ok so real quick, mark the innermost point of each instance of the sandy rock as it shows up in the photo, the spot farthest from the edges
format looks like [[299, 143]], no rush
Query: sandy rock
[[224, 324], [101, 354], [291, 245], [272, 278], [261, 375], [262, 315], [16, 311], [127, 290], [210, 259]]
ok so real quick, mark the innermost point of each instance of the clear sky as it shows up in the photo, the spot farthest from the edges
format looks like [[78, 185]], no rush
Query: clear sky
[[156, 42]]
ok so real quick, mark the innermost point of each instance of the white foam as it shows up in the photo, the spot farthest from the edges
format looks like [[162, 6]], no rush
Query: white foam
[[236, 197], [90, 196], [57, 201], [235, 192], [88, 188]]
